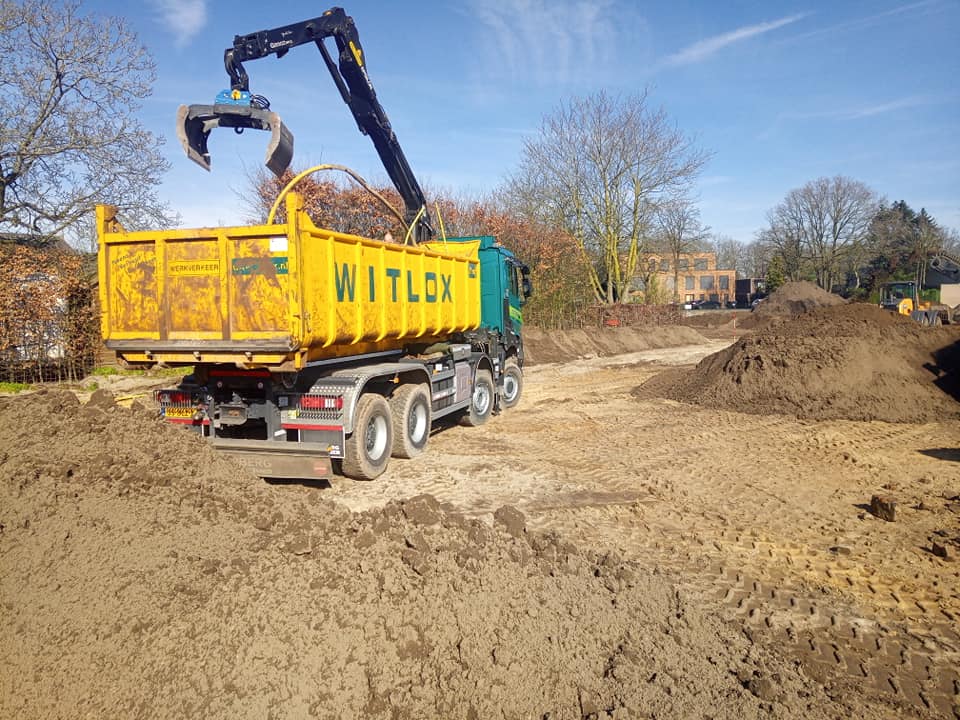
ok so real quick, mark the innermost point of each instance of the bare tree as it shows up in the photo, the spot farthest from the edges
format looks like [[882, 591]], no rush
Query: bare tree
[[69, 137], [679, 232], [731, 253], [598, 169], [821, 225]]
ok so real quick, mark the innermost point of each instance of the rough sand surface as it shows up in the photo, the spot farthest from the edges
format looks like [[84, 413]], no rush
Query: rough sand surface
[[590, 553], [142, 576], [854, 362]]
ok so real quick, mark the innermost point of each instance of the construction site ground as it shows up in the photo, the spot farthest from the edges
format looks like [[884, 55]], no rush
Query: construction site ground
[[602, 550]]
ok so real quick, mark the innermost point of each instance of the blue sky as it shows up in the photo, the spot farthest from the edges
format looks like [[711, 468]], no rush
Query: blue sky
[[780, 92]]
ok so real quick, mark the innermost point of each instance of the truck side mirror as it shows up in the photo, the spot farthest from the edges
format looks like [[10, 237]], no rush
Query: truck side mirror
[[525, 283]]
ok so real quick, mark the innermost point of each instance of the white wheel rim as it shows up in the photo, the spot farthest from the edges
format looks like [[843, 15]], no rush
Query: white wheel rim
[[510, 387], [376, 438], [481, 399], [418, 423]]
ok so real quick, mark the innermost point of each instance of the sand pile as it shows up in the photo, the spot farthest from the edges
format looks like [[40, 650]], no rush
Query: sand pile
[[550, 346], [143, 576], [844, 361], [792, 298]]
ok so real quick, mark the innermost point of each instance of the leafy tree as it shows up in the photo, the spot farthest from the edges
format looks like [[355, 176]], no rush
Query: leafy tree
[[900, 243], [775, 273], [69, 136], [48, 329], [597, 170]]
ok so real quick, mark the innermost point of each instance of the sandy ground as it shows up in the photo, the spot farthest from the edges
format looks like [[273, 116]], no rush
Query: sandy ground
[[598, 551], [764, 519]]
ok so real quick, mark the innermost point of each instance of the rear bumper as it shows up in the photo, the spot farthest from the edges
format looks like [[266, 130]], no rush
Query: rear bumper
[[269, 459]]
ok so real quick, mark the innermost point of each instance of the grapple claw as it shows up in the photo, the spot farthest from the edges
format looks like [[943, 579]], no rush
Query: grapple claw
[[194, 123]]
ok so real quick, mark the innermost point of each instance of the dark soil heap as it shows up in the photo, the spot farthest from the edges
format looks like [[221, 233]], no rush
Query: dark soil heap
[[141, 575], [854, 362], [792, 298], [551, 346]]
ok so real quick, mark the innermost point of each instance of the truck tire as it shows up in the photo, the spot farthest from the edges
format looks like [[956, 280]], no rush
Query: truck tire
[[410, 409], [481, 402], [512, 383], [367, 451]]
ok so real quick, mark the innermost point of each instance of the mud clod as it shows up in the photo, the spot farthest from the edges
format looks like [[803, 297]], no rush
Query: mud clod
[[883, 507], [511, 520]]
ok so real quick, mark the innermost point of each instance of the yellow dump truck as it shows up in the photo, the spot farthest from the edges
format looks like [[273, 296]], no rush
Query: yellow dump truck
[[309, 346], [313, 349]]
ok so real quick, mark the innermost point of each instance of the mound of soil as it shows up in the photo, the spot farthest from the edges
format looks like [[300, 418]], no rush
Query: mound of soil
[[141, 575], [854, 361], [551, 346], [792, 298]]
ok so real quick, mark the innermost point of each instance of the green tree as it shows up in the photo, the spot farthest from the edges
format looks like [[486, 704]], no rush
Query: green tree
[[775, 273]]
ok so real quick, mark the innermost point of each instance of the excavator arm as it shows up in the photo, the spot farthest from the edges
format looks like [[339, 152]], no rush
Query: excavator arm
[[946, 264], [239, 109]]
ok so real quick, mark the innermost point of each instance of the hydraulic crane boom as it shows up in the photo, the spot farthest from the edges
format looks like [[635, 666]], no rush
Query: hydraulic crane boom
[[240, 109]]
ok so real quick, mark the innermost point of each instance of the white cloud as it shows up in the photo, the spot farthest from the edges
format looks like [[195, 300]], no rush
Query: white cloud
[[705, 48], [183, 18], [865, 111], [546, 41], [926, 6]]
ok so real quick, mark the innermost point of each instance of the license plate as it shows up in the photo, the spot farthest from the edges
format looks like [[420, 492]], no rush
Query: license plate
[[179, 412]]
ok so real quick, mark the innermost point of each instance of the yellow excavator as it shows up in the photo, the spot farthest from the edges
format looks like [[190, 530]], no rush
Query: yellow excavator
[[902, 297]]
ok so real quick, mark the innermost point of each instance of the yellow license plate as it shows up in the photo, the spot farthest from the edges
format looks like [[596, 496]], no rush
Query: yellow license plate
[[179, 412]]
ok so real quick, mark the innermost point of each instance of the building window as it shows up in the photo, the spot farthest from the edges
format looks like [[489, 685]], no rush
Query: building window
[[683, 264], [724, 282], [653, 264], [688, 282], [664, 266], [706, 282], [700, 264]]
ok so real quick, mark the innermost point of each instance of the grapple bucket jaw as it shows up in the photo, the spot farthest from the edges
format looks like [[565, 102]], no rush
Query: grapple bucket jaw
[[194, 123]]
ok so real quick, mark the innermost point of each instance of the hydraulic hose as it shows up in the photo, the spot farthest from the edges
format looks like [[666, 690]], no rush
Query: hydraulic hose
[[360, 181]]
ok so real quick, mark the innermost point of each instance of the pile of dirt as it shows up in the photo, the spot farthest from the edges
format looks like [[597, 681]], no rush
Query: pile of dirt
[[143, 575], [551, 346], [792, 298], [854, 362]]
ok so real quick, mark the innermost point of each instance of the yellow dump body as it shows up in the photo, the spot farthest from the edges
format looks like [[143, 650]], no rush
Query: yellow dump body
[[277, 295]]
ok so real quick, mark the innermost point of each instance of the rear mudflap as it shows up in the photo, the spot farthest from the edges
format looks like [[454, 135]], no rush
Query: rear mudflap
[[195, 122]]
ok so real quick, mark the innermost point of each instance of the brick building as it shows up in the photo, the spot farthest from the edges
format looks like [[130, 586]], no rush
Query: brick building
[[695, 277]]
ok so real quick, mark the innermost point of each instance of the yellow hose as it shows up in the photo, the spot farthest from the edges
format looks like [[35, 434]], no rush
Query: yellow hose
[[443, 232], [406, 239], [363, 183]]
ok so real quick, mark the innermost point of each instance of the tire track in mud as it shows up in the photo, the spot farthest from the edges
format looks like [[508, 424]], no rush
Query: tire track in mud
[[760, 516]]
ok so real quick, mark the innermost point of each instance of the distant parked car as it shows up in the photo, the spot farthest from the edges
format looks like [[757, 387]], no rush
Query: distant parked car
[[709, 305]]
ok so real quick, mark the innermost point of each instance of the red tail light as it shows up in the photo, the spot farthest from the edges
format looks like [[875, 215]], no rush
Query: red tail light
[[320, 402]]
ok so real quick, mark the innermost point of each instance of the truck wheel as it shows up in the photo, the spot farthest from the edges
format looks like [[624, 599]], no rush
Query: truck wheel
[[512, 383], [367, 451], [410, 409], [482, 401]]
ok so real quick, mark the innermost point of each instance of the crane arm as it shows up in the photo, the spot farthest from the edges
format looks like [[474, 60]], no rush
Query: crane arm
[[239, 109]]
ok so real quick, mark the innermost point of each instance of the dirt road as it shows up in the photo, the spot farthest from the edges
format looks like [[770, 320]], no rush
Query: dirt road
[[762, 518], [596, 552]]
